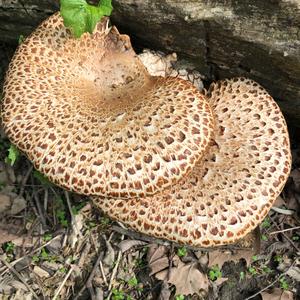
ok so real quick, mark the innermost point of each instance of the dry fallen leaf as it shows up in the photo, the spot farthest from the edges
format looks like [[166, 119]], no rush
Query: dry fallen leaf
[[109, 257], [18, 204], [187, 278], [220, 280], [165, 292], [157, 258], [128, 244], [277, 294], [5, 203], [9, 233], [40, 272], [217, 257]]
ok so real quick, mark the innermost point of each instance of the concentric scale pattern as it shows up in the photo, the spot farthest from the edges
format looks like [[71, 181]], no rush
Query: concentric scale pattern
[[92, 119], [230, 192]]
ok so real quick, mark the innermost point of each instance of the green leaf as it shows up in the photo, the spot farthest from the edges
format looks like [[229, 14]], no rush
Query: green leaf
[[13, 155], [21, 39], [214, 273], [80, 17], [181, 252]]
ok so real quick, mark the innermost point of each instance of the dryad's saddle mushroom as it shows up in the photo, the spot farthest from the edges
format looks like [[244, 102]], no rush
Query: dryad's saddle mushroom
[[230, 192], [89, 116]]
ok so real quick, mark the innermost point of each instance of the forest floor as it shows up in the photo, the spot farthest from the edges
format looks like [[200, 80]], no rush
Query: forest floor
[[56, 245]]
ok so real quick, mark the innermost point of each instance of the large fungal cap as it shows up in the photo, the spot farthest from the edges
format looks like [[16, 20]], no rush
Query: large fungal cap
[[90, 117], [232, 190]]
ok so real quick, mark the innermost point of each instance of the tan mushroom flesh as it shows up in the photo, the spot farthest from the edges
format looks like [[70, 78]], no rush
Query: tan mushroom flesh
[[89, 116], [230, 192]]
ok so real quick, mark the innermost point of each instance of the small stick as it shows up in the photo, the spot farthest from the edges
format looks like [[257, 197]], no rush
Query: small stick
[[46, 199], [102, 272], [284, 230], [170, 258], [63, 283], [74, 225], [24, 181], [89, 284], [114, 272], [291, 242], [282, 211], [90, 278], [41, 215], [12, 269]]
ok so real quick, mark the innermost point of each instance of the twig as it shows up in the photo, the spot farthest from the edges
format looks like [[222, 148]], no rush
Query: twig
[[63, 283], [24, 181], [90, 278], [284, 230], [89, 284], [170, 258], [41, 214], [282, 211], [46, 199], [114, 272], [74, 224], [291, 242], [11, 268], [272, 283], [102, 272]]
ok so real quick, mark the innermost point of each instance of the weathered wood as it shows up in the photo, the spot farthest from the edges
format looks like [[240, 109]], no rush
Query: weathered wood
[[258, 39]]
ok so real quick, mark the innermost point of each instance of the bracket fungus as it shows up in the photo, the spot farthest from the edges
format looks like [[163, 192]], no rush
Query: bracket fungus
[[232, 189], [91, 118]]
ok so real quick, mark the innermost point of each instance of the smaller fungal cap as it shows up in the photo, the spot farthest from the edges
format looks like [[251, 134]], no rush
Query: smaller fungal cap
[[90, 117], [233, 188]]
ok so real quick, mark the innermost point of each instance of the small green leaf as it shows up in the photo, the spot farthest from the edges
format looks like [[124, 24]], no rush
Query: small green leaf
[[214, 273], [133, 282], [21, 39], [13, 155], [254, 258], [264, 237], [252, 271], [242, 275], [283, 283], [181, 252], [80, 17]]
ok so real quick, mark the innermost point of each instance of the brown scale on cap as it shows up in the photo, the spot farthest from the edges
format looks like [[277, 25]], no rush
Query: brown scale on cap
[[91, 118], [230, 192]]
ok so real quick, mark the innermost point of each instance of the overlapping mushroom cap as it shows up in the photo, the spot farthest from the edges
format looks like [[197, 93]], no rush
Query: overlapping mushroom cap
[[91, 118], [230, 192]]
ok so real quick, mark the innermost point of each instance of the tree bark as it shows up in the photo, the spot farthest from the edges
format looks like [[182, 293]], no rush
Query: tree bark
[[257, 39]]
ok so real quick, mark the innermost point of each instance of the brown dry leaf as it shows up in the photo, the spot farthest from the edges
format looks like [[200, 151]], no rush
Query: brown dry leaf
[[110, 255], [187, 278], [18, 204], [128, 244], [5, 203], [157, 258], [217, 257], [220, 280], [8, 233], [165, 293], [277, 294], [40, 272]]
